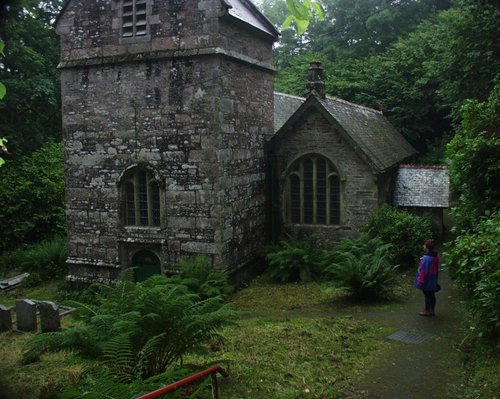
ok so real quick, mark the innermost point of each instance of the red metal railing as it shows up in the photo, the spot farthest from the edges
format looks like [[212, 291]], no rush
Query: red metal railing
[[212, 371]]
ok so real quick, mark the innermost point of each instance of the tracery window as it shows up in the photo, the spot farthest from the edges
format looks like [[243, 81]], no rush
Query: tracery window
[[314, 192], [141, 197], [134, 18]]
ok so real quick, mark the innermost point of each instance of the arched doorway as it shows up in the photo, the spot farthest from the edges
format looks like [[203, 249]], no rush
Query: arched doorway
[[146, 264]]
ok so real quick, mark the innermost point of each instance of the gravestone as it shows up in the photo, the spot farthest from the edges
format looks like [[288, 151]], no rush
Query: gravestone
[[5, 318], [26, 315], [49, 316]]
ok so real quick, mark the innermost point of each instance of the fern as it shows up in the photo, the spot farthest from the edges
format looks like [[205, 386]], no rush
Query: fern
[[102, 384], [293, 261], [119, 358], [150, 325], [202, 279], [361, 265]]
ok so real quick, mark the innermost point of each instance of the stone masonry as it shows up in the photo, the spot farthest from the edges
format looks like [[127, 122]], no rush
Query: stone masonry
[[191, 102], [360, 186]]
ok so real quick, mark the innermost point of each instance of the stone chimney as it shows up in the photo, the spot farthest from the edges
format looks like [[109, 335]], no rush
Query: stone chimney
[[315, 85]]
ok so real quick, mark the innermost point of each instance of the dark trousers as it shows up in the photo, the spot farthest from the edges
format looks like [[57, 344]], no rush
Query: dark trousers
[[430, 300]]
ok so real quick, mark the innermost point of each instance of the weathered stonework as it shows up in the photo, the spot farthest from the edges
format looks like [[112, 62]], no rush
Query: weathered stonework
[[359, 185], [191, 102]]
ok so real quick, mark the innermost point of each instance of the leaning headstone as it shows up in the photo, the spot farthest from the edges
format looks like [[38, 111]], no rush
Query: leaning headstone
[[26, 315], [49, 316], [5, 318]]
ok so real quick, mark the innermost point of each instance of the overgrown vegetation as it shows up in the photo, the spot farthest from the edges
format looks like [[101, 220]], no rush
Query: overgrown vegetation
[[266, 356], [157, 323], [473, 259], [474, 155], [139, 333], [404, 231], [44, 261], [474, 255], [291, 260], [32, 198], [420, 61], [202, 279], [363, 266]]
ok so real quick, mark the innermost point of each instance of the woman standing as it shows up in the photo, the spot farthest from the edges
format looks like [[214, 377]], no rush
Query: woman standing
[[427, 277]]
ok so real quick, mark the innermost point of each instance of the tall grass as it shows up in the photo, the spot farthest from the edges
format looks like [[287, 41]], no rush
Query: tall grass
[[45, 260]]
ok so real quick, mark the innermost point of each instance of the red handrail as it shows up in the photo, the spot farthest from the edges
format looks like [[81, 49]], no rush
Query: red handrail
[[172, 387]]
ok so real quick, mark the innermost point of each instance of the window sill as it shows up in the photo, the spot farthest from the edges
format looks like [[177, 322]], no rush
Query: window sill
[[309, 226]]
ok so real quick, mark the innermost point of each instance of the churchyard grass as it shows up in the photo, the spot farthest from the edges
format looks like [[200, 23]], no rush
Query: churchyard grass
[[293, 341], [293, 357], [290, 340], [37, 380], [47, 292]]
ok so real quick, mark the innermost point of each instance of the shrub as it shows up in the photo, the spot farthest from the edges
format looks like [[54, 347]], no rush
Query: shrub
[[32, 198], [473, 259], [362, 265], [473, 155], [46, 259], [291, 261], [203, 279], [405, 231]]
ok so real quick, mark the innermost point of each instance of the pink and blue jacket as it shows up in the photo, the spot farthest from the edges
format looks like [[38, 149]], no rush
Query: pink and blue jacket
[[427, 273]]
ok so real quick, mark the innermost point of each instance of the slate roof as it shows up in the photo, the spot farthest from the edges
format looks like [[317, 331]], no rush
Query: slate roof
[[243, 10], [369, 131], [247, 12], [285, 106], [422, 186]]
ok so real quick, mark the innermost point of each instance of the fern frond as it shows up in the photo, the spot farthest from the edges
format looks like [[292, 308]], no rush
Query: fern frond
[[119, 358]]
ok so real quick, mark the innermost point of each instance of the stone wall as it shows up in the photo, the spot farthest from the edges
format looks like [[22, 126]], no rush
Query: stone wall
[[195, 116], [313, 134], [92, 29]]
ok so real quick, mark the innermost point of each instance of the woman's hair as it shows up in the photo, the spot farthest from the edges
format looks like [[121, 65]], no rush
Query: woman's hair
[[429, 244]]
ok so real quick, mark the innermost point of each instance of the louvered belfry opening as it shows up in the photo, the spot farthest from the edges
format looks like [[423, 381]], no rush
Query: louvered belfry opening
[[134, 18]]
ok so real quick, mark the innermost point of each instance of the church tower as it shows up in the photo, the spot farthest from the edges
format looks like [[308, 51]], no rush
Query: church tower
[[166, 107]]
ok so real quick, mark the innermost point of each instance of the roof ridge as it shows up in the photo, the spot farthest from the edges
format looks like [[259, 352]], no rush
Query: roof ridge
[[289, 95], [353, 104], [422, 166]]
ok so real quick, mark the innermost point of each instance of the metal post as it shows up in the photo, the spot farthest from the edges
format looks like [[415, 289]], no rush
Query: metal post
[[215, 387]]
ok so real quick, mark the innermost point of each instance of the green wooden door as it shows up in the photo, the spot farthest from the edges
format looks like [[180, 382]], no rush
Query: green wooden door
[[147, 264]]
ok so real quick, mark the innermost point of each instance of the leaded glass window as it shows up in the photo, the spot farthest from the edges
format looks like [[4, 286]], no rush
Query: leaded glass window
[[142, 199], [314, 192]]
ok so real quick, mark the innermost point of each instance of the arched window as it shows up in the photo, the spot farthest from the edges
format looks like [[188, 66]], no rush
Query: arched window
[[313, 192], [141, 197]]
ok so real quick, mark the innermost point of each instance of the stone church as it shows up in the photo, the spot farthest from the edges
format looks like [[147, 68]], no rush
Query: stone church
[[176, 144]]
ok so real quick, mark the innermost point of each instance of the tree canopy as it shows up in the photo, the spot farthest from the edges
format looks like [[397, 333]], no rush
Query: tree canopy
[[418, 60], [30, 113]]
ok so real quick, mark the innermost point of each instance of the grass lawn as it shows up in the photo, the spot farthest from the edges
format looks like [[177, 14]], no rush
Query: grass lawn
[[293, 341], [36, 380], [278, 348], [293, 358]]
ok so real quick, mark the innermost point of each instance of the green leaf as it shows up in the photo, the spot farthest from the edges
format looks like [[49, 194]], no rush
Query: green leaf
[[298, 9], [302, 25], [288, 21], [318, 9], [3, 90]]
